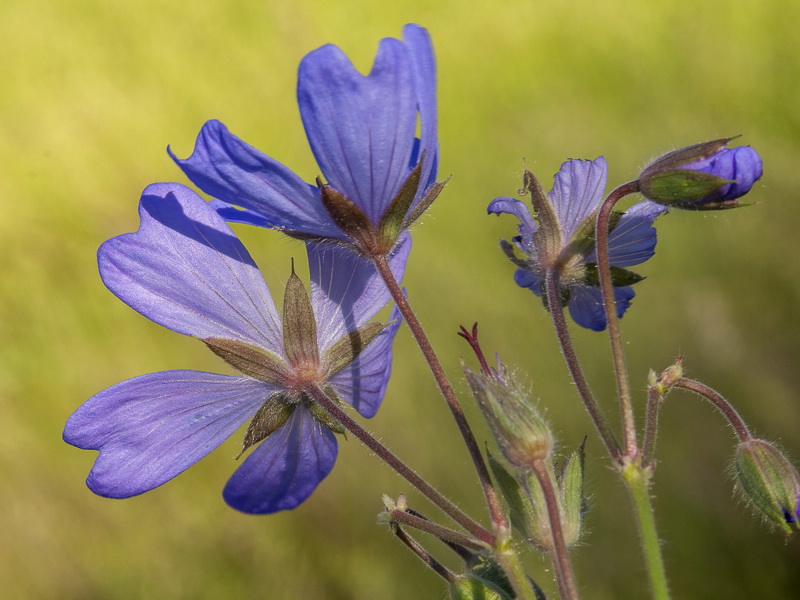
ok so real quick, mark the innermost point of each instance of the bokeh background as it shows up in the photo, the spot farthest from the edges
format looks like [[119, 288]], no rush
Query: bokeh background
[[93, 91]]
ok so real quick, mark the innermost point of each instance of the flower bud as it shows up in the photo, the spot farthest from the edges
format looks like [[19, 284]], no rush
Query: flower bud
[[521, 433], [770, 482], [706, 176]]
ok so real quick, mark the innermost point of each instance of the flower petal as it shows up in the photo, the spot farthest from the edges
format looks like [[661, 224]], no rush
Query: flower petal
[[633, 240], [363, 382], [527, 226], [346, 290], [227, 168], [361, 128], [151, 428], [423, 63], [186, 270], [285, 469], [586, 305], [577, 192], [528, 279]]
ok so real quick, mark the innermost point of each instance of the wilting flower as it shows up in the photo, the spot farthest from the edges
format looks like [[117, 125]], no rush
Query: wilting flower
[[561, 236], [186, 270], [362, 131], [705, 176]]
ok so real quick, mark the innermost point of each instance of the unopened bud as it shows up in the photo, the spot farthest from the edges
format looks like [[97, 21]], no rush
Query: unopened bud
[[521, 433], [705, 176], [770, 482]]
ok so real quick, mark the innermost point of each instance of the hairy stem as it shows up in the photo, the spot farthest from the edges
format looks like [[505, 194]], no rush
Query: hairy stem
[[718, 400], [559, 555], [655, 398], [399, 466], [423, 555], [552, 278], [607, 288], [492, 501], [637, 479], [443, 533]]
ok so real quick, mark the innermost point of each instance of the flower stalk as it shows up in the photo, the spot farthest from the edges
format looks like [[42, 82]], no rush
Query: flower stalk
[[387, 456], [629, 441]]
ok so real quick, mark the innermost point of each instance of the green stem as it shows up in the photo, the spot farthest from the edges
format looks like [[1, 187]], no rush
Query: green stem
[[508, 559], [607, 289], [637, 479]]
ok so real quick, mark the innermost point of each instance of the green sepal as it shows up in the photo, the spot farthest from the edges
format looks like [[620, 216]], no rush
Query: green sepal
[[425, 202], [511, 252], [322, 416], [584, 237], [689, 154], [573, 499], [680, 187], [394, 216], [347, 216], [249, 360], [347, 348], [520, 510], [619, 276], [299, 325], [272, 414], [769, 481], [547, 238]]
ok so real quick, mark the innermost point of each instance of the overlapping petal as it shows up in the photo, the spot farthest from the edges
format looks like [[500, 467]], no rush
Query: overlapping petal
[[151, 428], [186, 270], [346, 290], [285, 469], [586, 305], [361, 128], [512, 206], [578, 192], [633, 240], [231, 170], [363, 382], [362, 131]]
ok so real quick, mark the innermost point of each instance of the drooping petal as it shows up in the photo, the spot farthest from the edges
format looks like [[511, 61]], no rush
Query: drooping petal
[[577, 192], [423, 62], [512, 206], [633, 240], [151, 428], [363, 382], [285, 469], [186, 270], [346, 290], [228, 169], [528, 279], [586, 305], [361, 128]]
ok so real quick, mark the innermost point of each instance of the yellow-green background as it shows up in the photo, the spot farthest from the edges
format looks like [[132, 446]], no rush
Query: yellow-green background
[[92, 92]]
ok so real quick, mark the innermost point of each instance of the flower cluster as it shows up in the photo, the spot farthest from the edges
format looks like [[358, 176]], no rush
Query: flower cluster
[[186, 270]]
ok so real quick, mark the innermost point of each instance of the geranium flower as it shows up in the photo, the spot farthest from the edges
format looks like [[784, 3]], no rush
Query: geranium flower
[[561, 236], [362, 131], [186, 270]]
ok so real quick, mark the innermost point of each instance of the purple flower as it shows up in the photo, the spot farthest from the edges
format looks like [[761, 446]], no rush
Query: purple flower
[[705, 176], [567, 243], [362, 131], [186, 270]]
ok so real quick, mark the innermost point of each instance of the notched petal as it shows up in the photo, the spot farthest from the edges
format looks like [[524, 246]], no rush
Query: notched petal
[[249, 360], [299, 325], [272, 414], [349, 346]]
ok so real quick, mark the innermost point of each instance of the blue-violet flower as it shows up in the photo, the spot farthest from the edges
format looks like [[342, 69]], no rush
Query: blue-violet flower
[[565, 241], [362, 131], [186, 270]]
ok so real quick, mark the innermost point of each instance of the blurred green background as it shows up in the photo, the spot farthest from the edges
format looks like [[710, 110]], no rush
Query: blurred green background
[[93, 92]]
